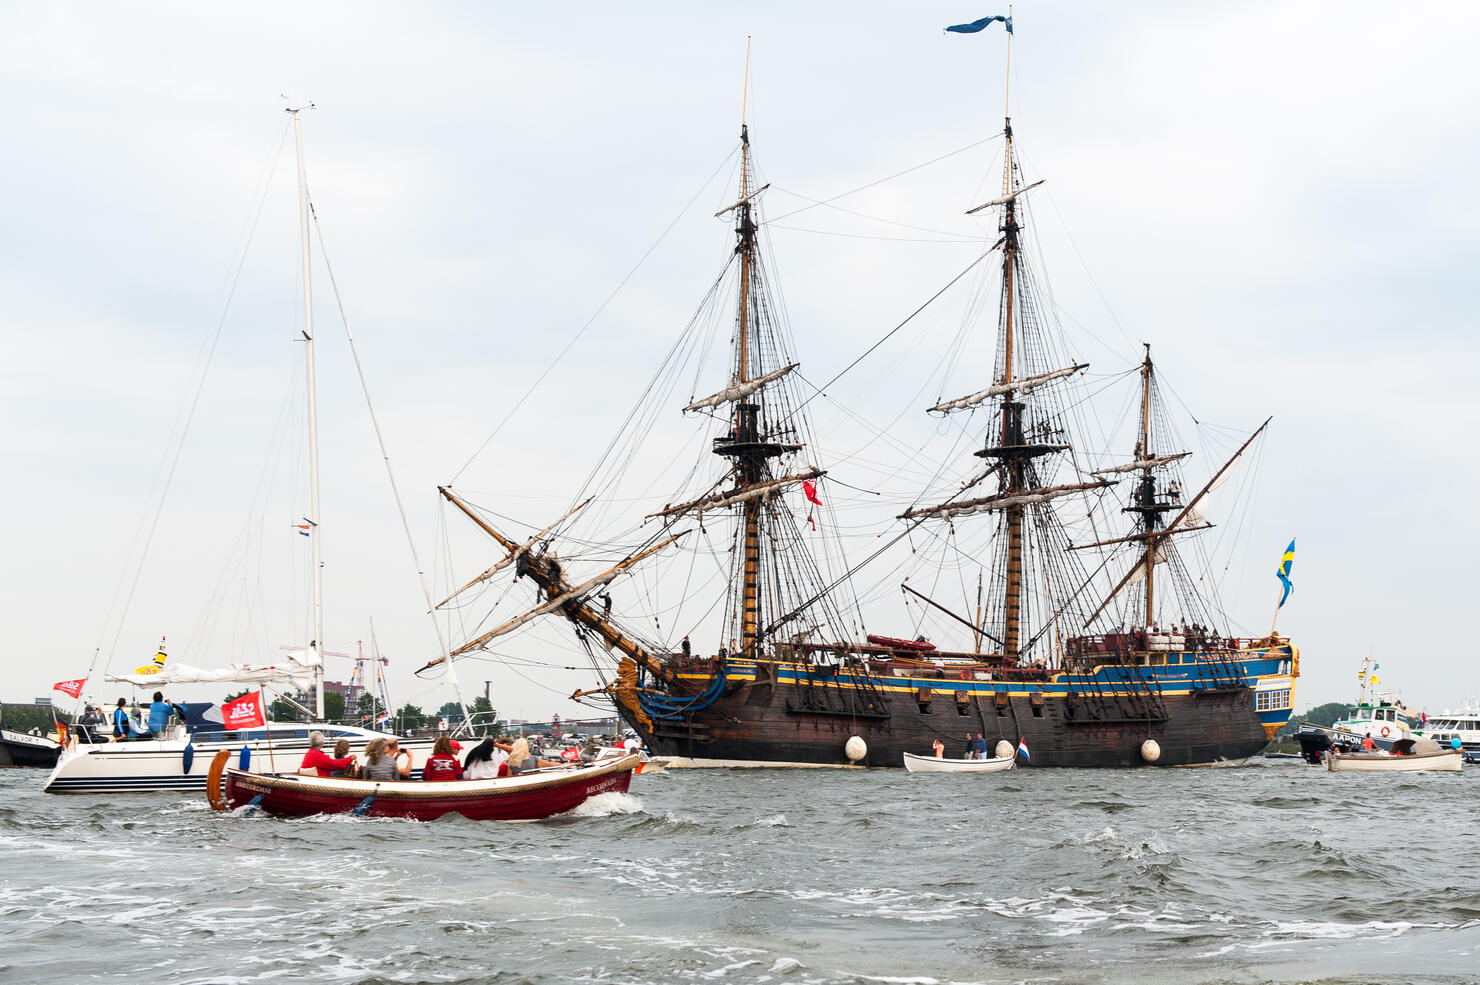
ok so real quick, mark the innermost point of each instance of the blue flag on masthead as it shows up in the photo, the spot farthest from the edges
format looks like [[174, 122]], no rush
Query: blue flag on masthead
[[976, 26]]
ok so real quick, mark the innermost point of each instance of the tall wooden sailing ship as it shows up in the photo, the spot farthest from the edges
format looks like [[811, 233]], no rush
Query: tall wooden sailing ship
[[1076, 672]]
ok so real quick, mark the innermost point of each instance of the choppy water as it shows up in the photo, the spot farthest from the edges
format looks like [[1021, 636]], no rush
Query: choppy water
[[1273, 872]]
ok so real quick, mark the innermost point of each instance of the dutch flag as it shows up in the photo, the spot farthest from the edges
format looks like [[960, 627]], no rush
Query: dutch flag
[[1023, 750]]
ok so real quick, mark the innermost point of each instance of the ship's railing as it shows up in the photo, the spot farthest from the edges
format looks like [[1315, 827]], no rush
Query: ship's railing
[[1143, 641]]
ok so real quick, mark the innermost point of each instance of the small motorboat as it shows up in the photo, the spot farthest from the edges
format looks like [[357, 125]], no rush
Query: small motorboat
[[1407, 756], [932, 764], [526, 797]]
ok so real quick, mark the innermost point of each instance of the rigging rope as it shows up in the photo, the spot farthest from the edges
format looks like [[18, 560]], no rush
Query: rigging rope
[[592, 320], [188, 412], [421, 574]]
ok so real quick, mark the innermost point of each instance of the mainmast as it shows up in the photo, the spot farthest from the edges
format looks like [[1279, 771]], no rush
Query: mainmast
[[746, 446], [1012, 423], [1025, 427], [316, 645]]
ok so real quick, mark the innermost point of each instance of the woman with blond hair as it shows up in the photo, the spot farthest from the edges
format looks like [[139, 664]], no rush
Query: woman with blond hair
[[381, 760]]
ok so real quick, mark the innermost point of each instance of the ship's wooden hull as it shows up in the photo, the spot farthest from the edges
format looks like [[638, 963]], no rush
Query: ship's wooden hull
[[769, 717], [1197, 731]]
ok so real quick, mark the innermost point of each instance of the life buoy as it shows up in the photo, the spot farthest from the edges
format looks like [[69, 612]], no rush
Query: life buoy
[[1386, 732], [213, 781]]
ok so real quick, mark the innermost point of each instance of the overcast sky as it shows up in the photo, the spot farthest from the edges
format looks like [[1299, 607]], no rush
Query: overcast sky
[[1281, 197]]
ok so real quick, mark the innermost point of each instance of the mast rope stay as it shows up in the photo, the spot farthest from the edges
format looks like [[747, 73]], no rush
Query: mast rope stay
[[165, 473], [592, 320], [421, 575]]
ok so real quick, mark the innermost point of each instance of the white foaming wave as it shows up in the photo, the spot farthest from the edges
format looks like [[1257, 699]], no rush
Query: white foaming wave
[[773, 821], [1324, 930], [646, 874], [898, 904], [734, 966], [1107, 833], [1109, 836], [785, 966], [1064, 913], [679, 820], [605, 805]]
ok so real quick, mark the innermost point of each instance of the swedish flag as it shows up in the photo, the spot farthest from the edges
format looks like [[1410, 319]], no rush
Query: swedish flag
[[1286, 563]]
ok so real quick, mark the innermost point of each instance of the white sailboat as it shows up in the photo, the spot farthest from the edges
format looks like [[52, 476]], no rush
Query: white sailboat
[[181, 759]]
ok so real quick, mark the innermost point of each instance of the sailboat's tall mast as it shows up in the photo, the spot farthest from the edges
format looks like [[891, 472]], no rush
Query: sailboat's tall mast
[[316, 646]]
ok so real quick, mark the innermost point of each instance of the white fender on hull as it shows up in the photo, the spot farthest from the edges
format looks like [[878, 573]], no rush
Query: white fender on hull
[[855, 749], [1150, 751]]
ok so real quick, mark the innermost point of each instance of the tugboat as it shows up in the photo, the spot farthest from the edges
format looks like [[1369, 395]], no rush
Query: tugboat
[[1382, 716], [23, 749]]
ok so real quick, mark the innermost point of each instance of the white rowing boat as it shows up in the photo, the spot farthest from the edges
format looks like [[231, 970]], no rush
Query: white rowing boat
[[1448, 760], [933, 764]]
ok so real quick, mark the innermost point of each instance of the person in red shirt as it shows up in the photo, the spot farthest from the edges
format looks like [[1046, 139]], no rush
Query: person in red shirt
[[443, 765], [317, 759]]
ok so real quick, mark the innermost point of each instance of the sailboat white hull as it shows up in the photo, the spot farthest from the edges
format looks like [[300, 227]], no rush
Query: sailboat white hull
[[152, 766]]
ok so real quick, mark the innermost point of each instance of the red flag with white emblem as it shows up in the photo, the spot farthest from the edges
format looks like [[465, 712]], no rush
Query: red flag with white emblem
[[247, 711], [70, 688]]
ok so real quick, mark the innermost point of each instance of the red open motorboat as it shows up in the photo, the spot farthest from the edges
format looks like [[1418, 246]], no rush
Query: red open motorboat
[[526, 797]]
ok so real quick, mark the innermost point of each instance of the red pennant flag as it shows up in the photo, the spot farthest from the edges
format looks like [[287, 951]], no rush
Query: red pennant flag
[[247, 711], [571, 755], [809, 489], [70, 688]]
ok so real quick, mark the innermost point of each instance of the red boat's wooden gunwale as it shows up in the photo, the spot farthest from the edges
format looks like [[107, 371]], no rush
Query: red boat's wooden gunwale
[[517, 798]]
